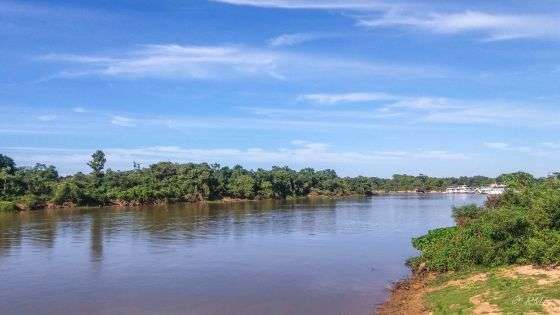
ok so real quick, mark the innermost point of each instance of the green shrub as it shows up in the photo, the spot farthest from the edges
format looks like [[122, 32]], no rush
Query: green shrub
[[464, 214], [7, 206], [544, 248], [66, 192], [29, 202], [436, 252]]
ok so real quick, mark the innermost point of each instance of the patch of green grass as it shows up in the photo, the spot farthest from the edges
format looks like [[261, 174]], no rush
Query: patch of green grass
[[443, 278], [515, 295], [452, 300], [511, 295]]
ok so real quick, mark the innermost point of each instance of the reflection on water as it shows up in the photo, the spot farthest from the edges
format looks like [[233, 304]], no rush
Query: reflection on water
[[320, 257]]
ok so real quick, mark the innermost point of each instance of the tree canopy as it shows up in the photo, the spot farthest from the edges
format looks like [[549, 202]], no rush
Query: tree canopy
[[97, 162], [41, 185]]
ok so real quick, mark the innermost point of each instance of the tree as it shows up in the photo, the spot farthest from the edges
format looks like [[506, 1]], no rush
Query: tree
[[7, 163], [242, 186], [517, 179], [97, 162]]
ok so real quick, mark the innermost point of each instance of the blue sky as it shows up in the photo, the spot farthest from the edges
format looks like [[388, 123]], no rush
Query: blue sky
[[363, 87]]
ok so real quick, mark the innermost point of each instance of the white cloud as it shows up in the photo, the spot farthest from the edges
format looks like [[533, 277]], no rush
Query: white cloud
[[79, 110], [325, 98], [173, 61], [295, 39], [219, 62], [19, 131], [499, 113], [123, 121], [315, 116], [47, 117], [9, 9], [497, 145], [551, 145], [436, 110], [438, 155], [398, 101], [530, 150], [492, 26], [311, 4], [427, 103]]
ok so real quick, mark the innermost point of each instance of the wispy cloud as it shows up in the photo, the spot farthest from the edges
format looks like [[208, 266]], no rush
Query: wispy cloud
[[326, 98], [395, 101], [550, 145], [314, 116], [312, 4], [442, 110], [535, 150], [219, 62], [201, 62], [79, 109], [491, 25], [38, 10], [497, 145], [47, 117], [296, 38], [499, 113], [244, 119], [123, 121]]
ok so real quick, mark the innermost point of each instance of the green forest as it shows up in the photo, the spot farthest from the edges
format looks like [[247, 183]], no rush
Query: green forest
[[40, 186]]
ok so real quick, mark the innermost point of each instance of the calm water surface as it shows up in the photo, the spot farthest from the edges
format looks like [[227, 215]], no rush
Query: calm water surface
[[305, 257]]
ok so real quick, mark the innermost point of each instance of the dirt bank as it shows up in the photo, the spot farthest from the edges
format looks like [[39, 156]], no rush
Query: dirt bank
[[407, 296]]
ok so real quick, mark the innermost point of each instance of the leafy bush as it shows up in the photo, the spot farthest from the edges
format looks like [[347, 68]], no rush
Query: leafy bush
[[29, 202], [7, 206], [544, 248], [435, 248], [465, 214], [67, 192]]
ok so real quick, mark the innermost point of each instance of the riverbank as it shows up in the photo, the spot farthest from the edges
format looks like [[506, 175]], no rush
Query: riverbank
[[523, 289], [13, 206]]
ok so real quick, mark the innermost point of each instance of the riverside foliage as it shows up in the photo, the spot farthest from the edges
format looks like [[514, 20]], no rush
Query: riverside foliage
[[41, 185], [520, 227]]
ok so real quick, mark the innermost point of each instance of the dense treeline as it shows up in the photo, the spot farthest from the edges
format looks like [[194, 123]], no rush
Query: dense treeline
[[41, 185], [519, 227]]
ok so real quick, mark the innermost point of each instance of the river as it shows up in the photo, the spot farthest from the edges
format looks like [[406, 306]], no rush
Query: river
[[300, 257]]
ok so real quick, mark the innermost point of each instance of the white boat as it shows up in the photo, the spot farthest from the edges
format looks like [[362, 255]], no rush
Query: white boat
[[493, 189], [463, 189]]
